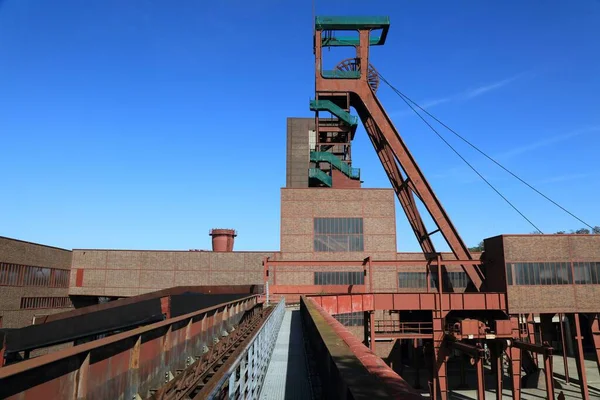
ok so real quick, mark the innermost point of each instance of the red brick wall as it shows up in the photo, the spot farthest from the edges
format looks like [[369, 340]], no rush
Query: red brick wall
[[132, 272], [340, 181], [300, 206], [547, 248]]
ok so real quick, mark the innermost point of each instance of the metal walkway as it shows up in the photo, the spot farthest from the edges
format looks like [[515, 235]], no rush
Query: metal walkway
[[287, 375]]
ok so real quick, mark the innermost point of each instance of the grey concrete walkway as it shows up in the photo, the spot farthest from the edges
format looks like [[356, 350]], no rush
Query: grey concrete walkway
[[287, 375]]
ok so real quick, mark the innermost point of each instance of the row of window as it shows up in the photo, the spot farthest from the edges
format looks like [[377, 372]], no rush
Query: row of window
[[418, 280], [351, 319], [340, 278], [338, 234], [587, 273], [338, 226], [31, 303], [553, 273], [342, 243], [26, 275]]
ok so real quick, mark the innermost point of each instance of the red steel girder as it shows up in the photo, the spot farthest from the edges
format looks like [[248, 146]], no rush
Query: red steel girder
[[346, 303], [400, 185]]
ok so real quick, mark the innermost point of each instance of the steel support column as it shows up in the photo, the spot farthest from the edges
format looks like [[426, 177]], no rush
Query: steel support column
[[585, 392], [531, 335], [561, 318], [549, 376], [595, 331], [372, 330], [515, 370], [497, 352], [480, 378]]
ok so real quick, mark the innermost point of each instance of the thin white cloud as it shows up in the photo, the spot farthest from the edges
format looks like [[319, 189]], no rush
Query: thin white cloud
[[546, 142], [563, 178], [460, 170], [492, 86], [464, 95]]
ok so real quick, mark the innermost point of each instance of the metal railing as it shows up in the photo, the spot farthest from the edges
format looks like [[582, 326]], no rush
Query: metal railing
[[403, 328], [247, 373]]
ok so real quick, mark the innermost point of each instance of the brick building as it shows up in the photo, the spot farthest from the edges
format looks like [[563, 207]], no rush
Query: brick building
[[34, 280]]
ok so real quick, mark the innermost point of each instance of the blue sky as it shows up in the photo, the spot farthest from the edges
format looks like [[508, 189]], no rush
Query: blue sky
[[143, 124]]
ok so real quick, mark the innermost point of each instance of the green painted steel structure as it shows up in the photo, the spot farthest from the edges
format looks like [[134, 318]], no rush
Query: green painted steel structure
[[316, 173], [323, 156], [327, 105]]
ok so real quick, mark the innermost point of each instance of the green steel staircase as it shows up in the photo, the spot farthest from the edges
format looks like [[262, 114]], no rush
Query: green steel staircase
[[318, 156], [316, 173], [328, 105]]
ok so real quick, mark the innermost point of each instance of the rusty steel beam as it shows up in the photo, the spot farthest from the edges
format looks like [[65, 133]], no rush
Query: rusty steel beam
[[374, 263], [583, 384], [222, 289], [564, 347], [545, 348], [515, 371], [87, 322], [355, 302], [477, 354], [401, 186], [549, 375], [138, 358], [595, 331]]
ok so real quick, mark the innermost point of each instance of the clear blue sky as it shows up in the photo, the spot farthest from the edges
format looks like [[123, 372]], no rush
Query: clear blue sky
[[142, 124]]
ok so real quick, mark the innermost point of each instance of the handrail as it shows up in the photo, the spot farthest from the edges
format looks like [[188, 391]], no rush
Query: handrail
[[390, 326], [317, 156], [137, 347], [253, 362], [320, 175], [328, 105]]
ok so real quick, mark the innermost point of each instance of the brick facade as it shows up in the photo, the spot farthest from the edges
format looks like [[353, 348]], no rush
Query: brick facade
[[17, 252], [132, 272], [299, 207], [504, 249]]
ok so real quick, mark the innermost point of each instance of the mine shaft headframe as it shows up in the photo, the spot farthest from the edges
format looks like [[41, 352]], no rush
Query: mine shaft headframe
[[329, 32], [352, 87]]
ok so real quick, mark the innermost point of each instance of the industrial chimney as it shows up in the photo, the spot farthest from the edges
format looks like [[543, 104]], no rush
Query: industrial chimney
[[222, 239]]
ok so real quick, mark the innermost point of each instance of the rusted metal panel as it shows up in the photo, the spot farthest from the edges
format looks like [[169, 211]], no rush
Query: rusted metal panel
[[79, 277], [384, 301], [427, 301], [121, 365], [330, 303], [344, 304], [474, 301], [456, 301]]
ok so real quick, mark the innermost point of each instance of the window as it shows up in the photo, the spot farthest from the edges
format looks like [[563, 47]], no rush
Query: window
[[340, 278], [412, 280], [587, 272], [542, 273], [30, 303], [452, 280], [27, 275], [338, 234], [351, 319]]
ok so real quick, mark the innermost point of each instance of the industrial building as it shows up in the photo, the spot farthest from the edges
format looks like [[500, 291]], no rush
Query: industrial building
[[524, 295]]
